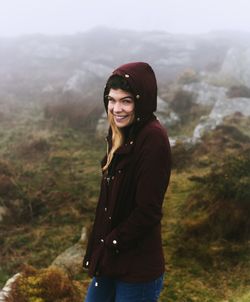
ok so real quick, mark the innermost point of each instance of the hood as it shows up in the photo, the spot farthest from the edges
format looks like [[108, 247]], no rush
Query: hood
[[142, 81]]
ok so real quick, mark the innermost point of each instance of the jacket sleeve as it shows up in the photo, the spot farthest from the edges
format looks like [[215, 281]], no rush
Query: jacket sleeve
[[152, 177]]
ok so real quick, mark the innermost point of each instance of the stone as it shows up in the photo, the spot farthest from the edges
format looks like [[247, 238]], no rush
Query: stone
[[71, 259], [236, 65], [222, 108], [5, 293], [206, 94]]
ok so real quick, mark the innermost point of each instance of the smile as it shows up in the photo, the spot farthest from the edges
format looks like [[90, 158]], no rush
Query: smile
[[120, 118]]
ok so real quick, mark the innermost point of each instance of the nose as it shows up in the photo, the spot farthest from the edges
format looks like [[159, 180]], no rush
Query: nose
[[117, 107]]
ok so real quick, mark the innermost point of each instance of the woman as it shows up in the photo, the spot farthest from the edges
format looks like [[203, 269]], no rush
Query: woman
[[124, 253]]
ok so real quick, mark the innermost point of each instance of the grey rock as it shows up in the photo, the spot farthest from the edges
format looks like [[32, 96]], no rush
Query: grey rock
[[71, 259], [5, 293], [222, 108], [88, 73], [205, 93], [236, 65]]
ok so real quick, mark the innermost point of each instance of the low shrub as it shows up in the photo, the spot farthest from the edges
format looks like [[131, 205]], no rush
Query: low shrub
[[76, 111], [181, 156], [188, 76], [5, 168], [45, 285], [182, 102], [33, 147], [240, 91], [6, 185], [219, 207], [228, 137]]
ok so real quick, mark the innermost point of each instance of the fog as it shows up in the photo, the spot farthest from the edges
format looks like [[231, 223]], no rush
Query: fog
[[18, 17]]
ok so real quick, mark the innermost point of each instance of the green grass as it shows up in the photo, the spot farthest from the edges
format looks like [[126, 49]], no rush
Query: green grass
[[55, 190], [194, 266], [61, 185]]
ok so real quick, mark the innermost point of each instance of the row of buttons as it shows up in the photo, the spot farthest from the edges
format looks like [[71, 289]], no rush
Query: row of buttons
[[112, 178], [102, 241]]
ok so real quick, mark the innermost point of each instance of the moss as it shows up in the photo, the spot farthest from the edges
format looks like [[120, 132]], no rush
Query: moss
[[46, 285]]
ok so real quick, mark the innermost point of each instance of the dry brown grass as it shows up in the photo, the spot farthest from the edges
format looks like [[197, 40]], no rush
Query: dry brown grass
[[45, 285]]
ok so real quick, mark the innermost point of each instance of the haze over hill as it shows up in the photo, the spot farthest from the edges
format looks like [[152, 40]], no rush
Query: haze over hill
[[51, 99], [48, 69], [44, 62]]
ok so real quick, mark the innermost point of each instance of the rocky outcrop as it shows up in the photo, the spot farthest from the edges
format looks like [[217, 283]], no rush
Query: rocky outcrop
[[205, 94], [222, 108], [5, 293], [236, 66], [82, 79], [71, 259]]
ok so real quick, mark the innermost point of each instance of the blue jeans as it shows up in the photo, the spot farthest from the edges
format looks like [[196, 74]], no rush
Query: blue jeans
[[104, 289]]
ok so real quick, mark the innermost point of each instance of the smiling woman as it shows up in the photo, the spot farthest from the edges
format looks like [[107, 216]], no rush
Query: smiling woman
[[124, 253], [121, 107]]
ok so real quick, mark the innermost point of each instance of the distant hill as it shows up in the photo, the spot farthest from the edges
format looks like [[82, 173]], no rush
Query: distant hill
[[73, 68], [35, 62]]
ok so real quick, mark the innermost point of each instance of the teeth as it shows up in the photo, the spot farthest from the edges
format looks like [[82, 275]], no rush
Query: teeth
[[120, 117]]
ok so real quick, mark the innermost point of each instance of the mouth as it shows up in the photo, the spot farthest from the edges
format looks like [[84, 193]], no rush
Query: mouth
[[120, 118]]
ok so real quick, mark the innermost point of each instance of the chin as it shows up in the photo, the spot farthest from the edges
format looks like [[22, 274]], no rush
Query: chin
[[122, 125]]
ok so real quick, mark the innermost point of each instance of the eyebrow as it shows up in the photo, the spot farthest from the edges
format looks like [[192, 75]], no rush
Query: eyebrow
[[125, 97]]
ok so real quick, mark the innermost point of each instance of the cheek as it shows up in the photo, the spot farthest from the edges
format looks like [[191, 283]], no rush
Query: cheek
[[131, 109], [110, 107]]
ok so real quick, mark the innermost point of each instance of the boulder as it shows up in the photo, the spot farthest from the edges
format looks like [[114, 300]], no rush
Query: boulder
[[236, 66], [71, 259], [205, 93], [222, 108], [5, 293]]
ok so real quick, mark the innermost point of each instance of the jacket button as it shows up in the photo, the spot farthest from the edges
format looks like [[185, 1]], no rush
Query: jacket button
[[102, 240], [87, 263], [110, 217], [131, 143], [126, 75], [119, 171], [105, 209], [137, 96], [114, 242], [96, 284]]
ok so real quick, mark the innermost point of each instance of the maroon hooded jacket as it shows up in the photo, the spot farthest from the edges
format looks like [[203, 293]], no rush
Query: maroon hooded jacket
[[125, 242]]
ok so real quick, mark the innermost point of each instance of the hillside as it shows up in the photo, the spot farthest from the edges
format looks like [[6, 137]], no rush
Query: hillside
[[50, 107], [49, 184]]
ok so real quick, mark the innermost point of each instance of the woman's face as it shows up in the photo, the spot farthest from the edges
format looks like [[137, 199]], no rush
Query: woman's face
[[121, 105]]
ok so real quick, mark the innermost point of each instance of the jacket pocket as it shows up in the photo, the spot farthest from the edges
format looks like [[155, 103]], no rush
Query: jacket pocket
[[115, 264]]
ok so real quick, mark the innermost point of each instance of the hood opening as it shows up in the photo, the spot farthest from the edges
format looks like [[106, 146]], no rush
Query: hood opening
[[142, 84]]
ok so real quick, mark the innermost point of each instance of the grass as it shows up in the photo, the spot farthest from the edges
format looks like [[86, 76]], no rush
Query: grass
[[55, 190], [61, 183], [194, 266]]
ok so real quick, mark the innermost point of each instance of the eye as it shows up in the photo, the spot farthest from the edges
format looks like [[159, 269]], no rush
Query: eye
[[127, 101], [110, 100]]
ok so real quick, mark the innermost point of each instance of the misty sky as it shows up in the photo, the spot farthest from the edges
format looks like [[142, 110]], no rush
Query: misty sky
[[71, 16]]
